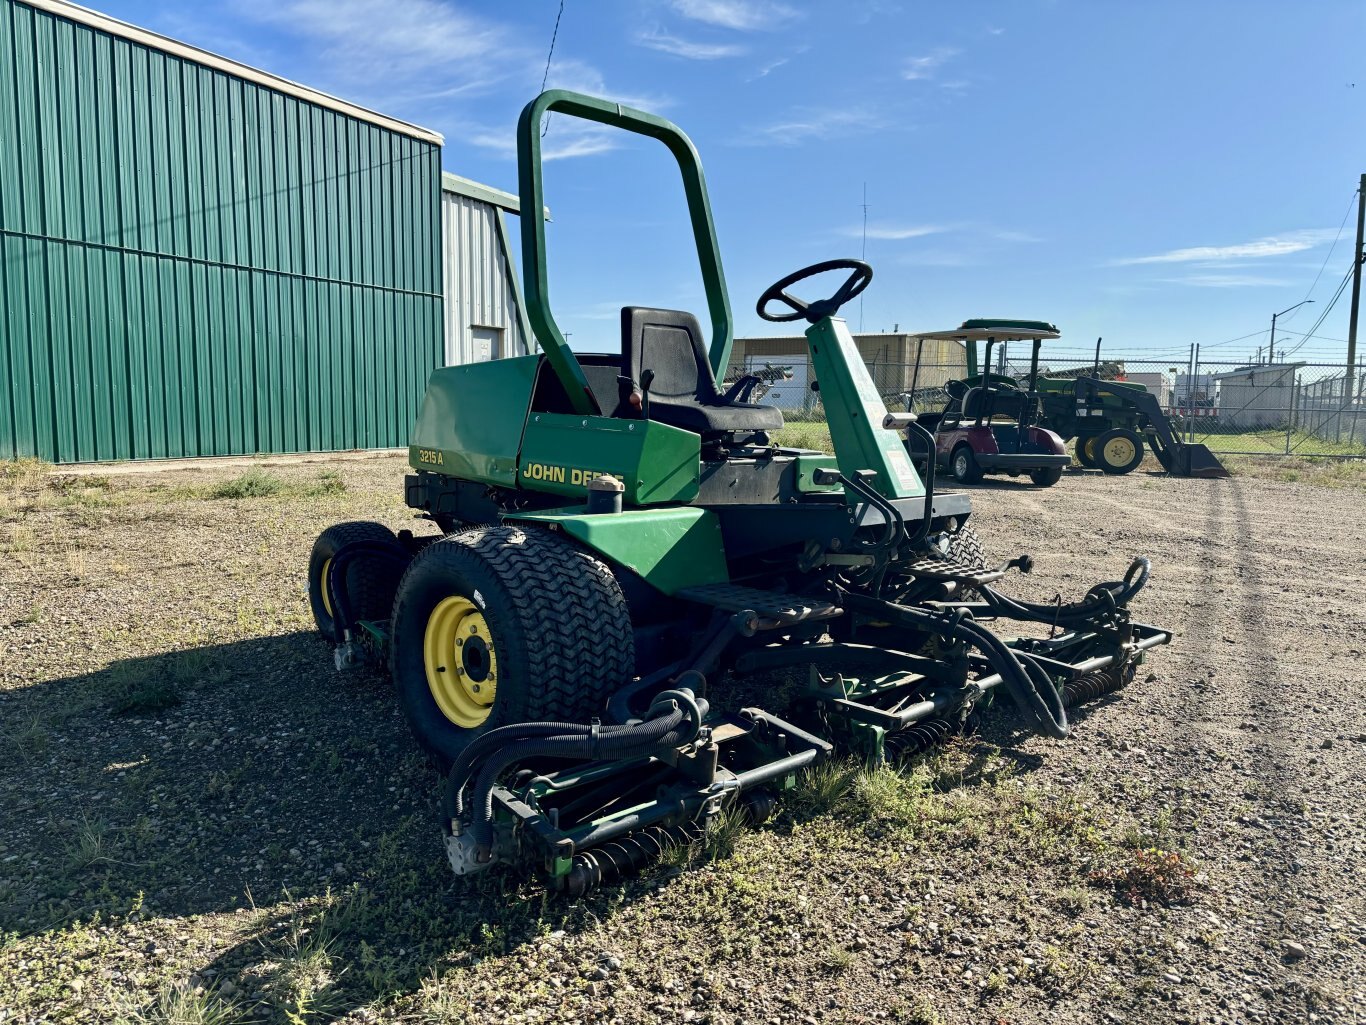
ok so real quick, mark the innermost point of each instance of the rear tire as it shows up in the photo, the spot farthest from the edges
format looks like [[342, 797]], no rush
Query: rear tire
[[1118, 451], [966, 548], [963, 466], [370, 583], [1046, 477], [553, 635]]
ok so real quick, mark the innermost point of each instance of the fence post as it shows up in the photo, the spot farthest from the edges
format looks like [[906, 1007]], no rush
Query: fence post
[[1290, 416]]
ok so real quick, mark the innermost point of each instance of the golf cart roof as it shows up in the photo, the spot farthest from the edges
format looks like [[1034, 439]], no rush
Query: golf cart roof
[[1001, 330]]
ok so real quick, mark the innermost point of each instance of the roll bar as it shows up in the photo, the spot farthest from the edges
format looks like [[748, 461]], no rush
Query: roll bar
[[531, 188]]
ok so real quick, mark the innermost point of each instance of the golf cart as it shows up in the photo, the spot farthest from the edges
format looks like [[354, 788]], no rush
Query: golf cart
[[990, 423]]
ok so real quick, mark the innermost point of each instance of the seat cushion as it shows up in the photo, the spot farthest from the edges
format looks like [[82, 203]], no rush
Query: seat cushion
[[741, 417]]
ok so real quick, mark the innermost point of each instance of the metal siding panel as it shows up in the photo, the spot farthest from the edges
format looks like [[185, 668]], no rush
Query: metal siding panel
[[157, 308]]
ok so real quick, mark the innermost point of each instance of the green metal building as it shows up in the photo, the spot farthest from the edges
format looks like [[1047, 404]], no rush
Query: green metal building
[[198, 258]]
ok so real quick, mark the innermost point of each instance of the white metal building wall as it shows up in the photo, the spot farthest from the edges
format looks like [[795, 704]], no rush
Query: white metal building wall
[[481, 317]]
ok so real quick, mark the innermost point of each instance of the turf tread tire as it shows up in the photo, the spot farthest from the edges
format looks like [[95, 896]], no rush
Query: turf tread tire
[[561, 627], [966, 548], [370, 583]]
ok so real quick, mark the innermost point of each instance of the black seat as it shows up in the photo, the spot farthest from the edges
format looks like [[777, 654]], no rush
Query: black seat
[[683, 392]]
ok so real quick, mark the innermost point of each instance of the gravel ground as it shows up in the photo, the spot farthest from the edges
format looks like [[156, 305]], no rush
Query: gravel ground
[[200, 821]]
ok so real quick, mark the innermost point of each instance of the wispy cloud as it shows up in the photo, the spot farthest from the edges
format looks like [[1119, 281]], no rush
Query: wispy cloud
[[774, 65], [565, 137], [924, 68], [805, 124], [688, 48], [893, 232], [1271, 245], [389, 40], [741, 15], [1227, 281]]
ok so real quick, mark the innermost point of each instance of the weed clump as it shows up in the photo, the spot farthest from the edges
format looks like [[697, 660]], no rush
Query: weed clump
[[1149, 875], [255, 483]]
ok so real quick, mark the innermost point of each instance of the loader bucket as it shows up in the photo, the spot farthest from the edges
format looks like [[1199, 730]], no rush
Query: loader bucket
[[1196, 460]]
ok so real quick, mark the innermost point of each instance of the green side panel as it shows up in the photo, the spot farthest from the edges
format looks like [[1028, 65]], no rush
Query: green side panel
[[471, 420], [656, 462], [192, 264], [671, 548], [855, 411], [808, 464]]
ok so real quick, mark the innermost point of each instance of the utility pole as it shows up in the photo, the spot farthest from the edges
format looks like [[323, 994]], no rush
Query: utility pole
[[1271, 346], [1357, 255]]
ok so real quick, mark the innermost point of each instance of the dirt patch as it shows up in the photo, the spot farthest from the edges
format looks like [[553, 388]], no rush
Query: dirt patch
[[200, 820]]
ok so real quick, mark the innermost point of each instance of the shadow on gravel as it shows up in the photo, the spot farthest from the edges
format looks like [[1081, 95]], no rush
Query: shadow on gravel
[[247, 796]]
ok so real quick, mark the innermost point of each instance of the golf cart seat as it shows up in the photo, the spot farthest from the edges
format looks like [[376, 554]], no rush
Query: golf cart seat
[[683, 392], [974, 401]]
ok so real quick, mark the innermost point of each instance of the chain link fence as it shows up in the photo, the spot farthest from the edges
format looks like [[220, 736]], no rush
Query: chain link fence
[[1236, 408]]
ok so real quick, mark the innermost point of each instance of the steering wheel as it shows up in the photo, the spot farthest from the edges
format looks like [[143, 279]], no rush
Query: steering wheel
[[814, 311]]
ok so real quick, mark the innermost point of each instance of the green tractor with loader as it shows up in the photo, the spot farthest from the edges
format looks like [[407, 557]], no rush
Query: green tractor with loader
[[623, 559]]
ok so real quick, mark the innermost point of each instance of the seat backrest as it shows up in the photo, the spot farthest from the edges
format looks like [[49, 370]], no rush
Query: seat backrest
[[669, 342], [973, 403]]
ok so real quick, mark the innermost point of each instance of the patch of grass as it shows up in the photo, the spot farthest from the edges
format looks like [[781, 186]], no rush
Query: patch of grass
[[804, 434], [823, 787], [329, 482], [255, 483], [918, 1012], [179, 1003], [23, 474], [1329, 473], [724, 833], [33, 616], [1148, 875], [27, 742], [154, 685], [20, 539]]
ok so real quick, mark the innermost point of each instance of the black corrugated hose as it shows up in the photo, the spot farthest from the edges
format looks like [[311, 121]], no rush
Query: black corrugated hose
[[668, 730]]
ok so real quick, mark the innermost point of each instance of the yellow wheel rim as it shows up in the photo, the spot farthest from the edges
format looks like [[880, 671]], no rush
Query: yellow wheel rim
[[1089, 447], [1119, 451], [327, 602], [461, 663]]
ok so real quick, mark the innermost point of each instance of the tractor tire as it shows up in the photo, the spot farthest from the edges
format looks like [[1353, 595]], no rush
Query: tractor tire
[[1084, 450], [1046, 477], [534, 629], [1118, 451], [370, 583], [966, 548], [963, 466]]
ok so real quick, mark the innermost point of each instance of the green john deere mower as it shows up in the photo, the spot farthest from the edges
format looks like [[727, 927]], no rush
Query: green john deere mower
[[623, 550]]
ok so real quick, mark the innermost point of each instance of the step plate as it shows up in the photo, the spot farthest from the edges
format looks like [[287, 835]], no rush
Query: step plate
[[937, 569], [786, 608]]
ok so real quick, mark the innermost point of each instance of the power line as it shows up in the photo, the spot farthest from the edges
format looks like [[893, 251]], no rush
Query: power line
[[1326, 310], [551, 53], [1351, 202]]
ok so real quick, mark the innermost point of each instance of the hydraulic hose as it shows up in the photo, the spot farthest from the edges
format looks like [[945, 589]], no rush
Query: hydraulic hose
[[669, 730], [1031, 687], [1100, 599], [452, 803]]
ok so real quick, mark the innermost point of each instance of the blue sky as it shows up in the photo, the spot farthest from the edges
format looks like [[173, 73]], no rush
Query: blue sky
[[1159, 173]]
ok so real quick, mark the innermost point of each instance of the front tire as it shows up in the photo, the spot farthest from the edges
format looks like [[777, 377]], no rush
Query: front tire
[[1083, 452], [1046, 477], [1118, 451], [499, 625], [963, 466]]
